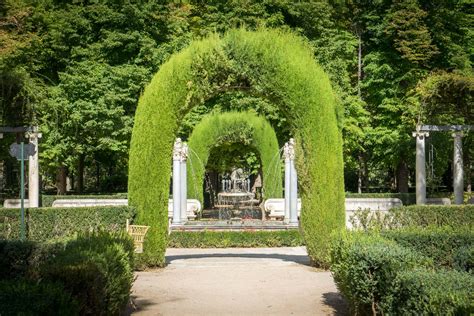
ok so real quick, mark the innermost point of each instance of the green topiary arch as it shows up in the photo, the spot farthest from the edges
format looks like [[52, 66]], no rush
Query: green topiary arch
[[234, 127], [272, 64]]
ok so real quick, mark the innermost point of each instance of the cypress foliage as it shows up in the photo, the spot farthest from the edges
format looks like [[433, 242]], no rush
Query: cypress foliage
[[276, 65], [231, 127]]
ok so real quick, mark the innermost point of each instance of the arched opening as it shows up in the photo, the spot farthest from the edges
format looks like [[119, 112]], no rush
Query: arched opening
[[274, 64]]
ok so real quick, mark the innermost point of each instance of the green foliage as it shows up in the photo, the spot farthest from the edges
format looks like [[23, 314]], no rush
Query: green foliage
[[365, 268], [453, 216], [211, 239], [23, 297], [273, 64], [47, 200], [463, 258], [44, 224], [96, 269], [93, 271], [426, 292], [226, 128], [440, 244]]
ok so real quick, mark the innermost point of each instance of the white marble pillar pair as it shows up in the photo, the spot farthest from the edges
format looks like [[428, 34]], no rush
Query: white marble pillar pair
[[291, 184], [458, 169], [180, 155]]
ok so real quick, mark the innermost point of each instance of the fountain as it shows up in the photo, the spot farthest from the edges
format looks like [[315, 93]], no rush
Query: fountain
[[235, 201]]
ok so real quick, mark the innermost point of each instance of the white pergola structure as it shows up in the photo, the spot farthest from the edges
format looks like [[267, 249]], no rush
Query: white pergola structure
[[422, 131], [33, 134]]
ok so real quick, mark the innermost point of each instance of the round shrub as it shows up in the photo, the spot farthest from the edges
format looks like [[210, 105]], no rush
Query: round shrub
[[275, 65], [233, 127]]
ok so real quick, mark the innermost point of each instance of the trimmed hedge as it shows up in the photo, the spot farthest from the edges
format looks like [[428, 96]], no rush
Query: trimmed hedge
[[416, 216], [276, 65], [44, 224], [426, 292], [212, 239], [26, 297], [232, 127], [464, 259], [440, 244], [47, 199], [94, 271], [365, 268]]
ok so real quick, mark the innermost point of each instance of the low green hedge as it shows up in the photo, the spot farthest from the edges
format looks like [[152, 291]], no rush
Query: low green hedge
[[94, 270], [415, 216], [463, 259], [47, 200], [440, 244], [365, 267], [44, 224], [213, 239], [426, 292], [26, 297], [380, 276]]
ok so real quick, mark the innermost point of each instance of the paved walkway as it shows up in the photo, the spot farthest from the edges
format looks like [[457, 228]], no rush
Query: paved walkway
[[237, 281]]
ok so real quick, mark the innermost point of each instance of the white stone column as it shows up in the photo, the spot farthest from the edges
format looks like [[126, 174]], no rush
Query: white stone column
[[176, 181], [458, 169], [293, 184], [33, 172], [183, 187], [420, 167], [286, 154]]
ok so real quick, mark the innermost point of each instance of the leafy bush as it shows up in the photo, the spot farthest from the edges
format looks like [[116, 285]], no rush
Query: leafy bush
[[440, 244], [365, 267], [274, 64], [96, 269], [464, 258], [47, 200], [211, 239], [25, 297], [427, 292], [45, 224], [229, 127], [415, 216]]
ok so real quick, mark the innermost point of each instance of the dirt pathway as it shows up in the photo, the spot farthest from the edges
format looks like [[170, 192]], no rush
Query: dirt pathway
[[237, 281]]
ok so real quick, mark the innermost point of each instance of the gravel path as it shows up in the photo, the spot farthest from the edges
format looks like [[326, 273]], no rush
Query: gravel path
[[237, 281]]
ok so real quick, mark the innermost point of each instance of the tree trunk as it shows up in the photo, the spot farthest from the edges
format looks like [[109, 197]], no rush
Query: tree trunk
[[402, 177], [80, 175], [61, 180], [359, 66]]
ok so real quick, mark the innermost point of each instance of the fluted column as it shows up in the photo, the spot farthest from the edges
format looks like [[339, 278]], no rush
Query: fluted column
[[176, 181], [33, 172], [293, 184], [420, 167], [286, 154], [458, 169], [183, 187]]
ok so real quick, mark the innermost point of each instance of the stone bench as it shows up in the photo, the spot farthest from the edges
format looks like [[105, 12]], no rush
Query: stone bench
[[276, 208], [438, 201], [15, 203], [194, 206]]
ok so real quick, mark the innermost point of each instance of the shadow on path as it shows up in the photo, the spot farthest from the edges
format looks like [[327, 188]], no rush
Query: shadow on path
[[300, 259], [337, 302]]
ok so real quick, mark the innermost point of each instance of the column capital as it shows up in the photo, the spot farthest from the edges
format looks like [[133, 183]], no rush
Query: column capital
[[184, 152], [420, 135], [289, 150], [456, 134], [177, 149]]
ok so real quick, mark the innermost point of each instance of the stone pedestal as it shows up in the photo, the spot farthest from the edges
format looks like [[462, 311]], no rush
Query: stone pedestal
[[420, 167], [458, 169], [176, 181], [33, 173]]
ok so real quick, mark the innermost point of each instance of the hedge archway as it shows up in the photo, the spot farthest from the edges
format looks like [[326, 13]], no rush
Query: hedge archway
[[273, 64], [234, 127]]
